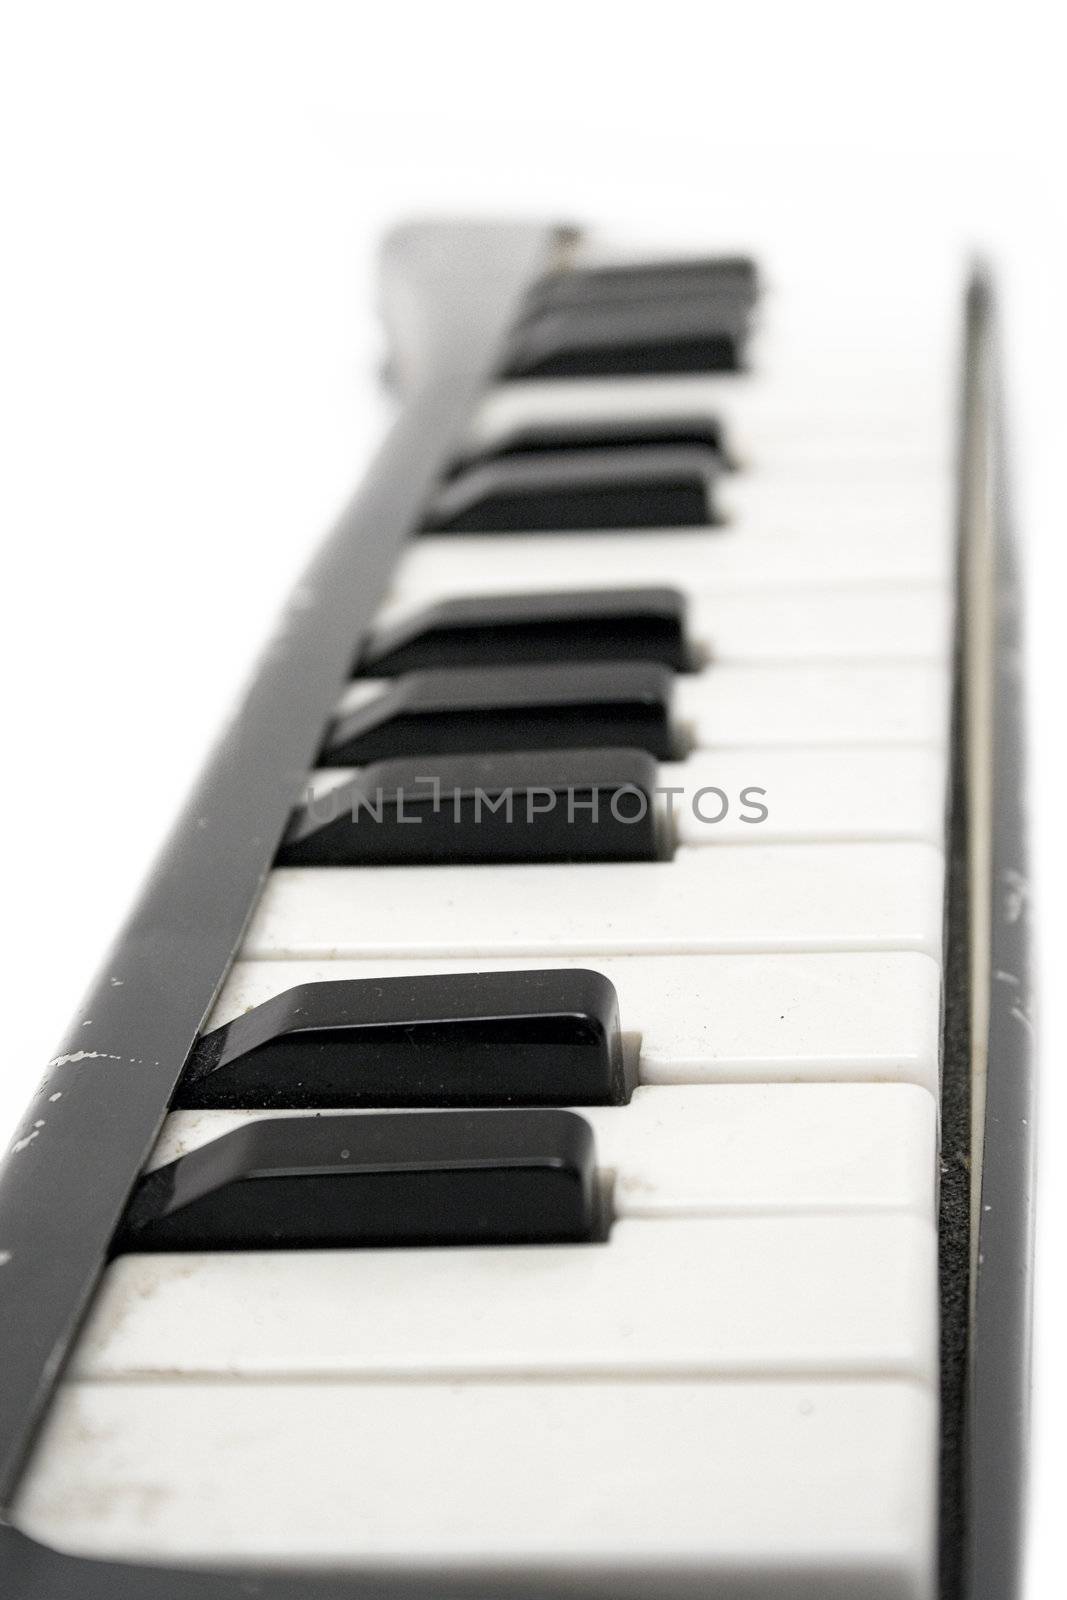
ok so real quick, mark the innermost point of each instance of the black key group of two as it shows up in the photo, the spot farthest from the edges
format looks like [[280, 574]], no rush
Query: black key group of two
[[447, 1176], [690, 317]]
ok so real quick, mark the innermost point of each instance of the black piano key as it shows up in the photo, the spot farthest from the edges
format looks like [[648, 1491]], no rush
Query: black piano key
[[646, 320], [511, 629], [454, 1039], [608, 433], [645, 486], [564, 805], [395, 1178], [620, 704], [648, 338], [733, 278]]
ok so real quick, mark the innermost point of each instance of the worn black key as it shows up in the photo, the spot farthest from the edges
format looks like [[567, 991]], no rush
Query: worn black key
[[511, 629], [452, 1039], [646, 338], [606, 433], [398, 1178], [645, 486], [487, 709], [727, 277], [563, 805]]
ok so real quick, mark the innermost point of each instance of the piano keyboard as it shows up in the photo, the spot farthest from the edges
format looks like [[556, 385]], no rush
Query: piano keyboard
[[550, 1196]]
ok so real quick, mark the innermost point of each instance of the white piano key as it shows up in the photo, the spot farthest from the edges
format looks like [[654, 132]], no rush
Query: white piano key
[[846, 623], [869, 508], [904, 622], [855, 703], [797, 796], [903, 363], [725, 1297], [768, 418], [800, 704], [713, 560], [736, 898], [780, 796], [717, 1149], [862, 510], [811, 1490], [711, 1019]]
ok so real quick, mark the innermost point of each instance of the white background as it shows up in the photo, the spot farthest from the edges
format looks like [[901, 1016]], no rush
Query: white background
[[190, 197]]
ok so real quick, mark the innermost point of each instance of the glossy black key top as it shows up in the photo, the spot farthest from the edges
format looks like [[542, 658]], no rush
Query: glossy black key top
[[563, 805], [511, 629], [452, 1039], [733, 278], [620, 704], [645, 486], [647, 338], [397, 1178], [607, 433]]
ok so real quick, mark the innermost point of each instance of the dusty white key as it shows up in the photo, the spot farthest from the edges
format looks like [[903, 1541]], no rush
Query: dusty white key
[[815, 1490], [763, 796], [679, 1297], [736, 898], [717, 1018], [903, 622], [803, 705], [723, 1148], [715, 560]]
